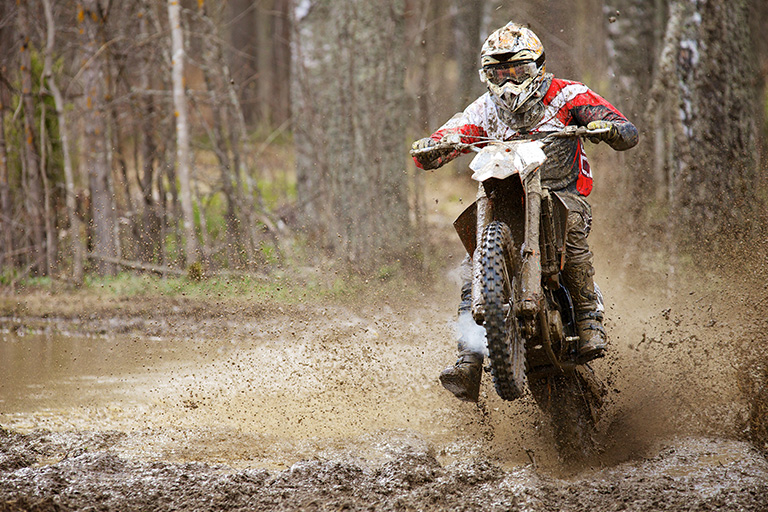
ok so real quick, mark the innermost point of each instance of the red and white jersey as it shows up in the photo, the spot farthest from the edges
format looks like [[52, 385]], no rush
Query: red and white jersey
[[565, 103]]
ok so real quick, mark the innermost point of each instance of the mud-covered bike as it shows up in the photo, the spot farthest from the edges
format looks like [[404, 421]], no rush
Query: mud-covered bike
[[515, 232]]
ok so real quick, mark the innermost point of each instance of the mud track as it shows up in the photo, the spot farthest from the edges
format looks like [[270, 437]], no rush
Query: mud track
[[182, 404], [337, 407]]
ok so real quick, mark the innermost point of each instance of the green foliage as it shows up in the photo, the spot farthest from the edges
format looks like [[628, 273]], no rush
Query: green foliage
[[172, 247], [268, 254], [215, 210], [7, 276], [195, 272], [280, 188], [44, 106], [387, 272]]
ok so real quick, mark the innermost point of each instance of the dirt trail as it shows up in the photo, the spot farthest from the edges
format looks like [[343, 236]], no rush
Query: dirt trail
[[337, 407]]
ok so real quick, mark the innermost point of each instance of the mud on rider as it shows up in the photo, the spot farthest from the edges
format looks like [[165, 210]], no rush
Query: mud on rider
[[522, 98]]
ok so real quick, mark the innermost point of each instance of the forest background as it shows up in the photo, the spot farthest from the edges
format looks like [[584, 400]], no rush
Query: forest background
[[195, 137]]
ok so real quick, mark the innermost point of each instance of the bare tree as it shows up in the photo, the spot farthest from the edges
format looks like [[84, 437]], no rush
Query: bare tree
[[182, 130], [468, 30], [716, 76], [150, 225], [6, 209], [220, 135], [259, 32], [281, 61], [699, 116], [92, 19], [74, 222], [34, 199]]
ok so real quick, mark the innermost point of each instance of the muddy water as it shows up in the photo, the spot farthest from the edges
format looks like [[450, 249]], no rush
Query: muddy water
[[324, 383], [339, 407], [59, 372], [335, 408], [345, 383], [329, 383]]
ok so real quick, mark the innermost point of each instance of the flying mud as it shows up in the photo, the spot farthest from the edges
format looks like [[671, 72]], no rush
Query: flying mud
[[226, 405]]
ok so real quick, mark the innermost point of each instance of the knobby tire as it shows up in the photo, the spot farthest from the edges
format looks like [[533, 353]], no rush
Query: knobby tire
[[505, 345], [573, 402]]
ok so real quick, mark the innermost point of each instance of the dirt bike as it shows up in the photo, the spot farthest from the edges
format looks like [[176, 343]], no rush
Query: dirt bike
[[515, 232]]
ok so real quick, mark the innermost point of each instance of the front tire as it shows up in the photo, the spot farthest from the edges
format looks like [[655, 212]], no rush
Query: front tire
[[506, 348]]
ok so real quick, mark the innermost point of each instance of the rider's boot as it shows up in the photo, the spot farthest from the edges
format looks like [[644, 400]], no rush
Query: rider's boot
[[589, 320], [463, 378]]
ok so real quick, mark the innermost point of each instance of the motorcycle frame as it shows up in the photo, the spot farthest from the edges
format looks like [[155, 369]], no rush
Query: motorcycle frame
[[537, 219]]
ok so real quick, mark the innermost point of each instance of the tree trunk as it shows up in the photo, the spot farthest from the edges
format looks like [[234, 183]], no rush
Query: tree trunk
[[243, 17], [716, 77], [149, 240], [74, 222], [350, 112], [34, 200], [697, 156], [281, 62], [95, 158], [6, 210], [182, 131], [468, 23], [225, 143], [635, 30]]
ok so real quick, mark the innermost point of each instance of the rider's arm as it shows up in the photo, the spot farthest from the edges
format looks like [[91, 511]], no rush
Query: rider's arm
[[467, 124], [587, 106]]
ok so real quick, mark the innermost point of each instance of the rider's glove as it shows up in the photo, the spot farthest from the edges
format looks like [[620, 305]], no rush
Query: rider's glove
[[424, 143], [426, 157], [609, 136]]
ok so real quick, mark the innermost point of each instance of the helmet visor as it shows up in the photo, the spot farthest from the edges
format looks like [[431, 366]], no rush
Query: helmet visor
[[515, 72]]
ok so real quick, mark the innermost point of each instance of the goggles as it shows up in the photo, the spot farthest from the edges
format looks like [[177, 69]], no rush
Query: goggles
[[516, 72]]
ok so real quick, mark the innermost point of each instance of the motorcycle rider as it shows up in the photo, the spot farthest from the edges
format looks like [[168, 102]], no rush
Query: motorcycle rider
[[522, 98]]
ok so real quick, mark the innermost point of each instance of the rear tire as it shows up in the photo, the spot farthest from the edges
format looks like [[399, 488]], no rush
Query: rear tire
[[506, 348], [573, 402]]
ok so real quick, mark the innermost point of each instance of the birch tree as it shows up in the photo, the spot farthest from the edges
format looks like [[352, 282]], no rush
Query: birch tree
[[74, 222], [698, 120], [182, 131], [716, 77]]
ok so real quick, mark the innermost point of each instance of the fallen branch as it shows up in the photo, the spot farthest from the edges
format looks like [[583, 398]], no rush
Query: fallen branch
[[137, 265], [163, 270]]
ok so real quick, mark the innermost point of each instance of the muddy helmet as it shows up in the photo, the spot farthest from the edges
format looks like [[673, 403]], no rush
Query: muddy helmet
[[513, 67]]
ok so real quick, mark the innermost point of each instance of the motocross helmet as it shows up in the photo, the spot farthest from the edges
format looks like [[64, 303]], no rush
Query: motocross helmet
[[513, 67]]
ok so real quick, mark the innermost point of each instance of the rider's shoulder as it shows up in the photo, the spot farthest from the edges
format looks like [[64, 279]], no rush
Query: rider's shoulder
[[558, 84], [564, 89]]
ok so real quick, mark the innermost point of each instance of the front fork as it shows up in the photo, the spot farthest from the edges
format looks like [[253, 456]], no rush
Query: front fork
[[530, 274], [484, 217]]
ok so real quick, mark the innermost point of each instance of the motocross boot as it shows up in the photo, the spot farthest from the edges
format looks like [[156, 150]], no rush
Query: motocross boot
[[589, 320], [463, 378]]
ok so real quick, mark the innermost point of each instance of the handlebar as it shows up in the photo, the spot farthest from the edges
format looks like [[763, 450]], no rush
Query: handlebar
[[453, 141]]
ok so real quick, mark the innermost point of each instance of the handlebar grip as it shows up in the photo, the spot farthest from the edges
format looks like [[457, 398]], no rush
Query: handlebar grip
[[442, 148]]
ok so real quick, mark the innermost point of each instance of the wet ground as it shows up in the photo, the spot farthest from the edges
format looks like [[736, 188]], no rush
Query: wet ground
[[337, 407], [174, 403]]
